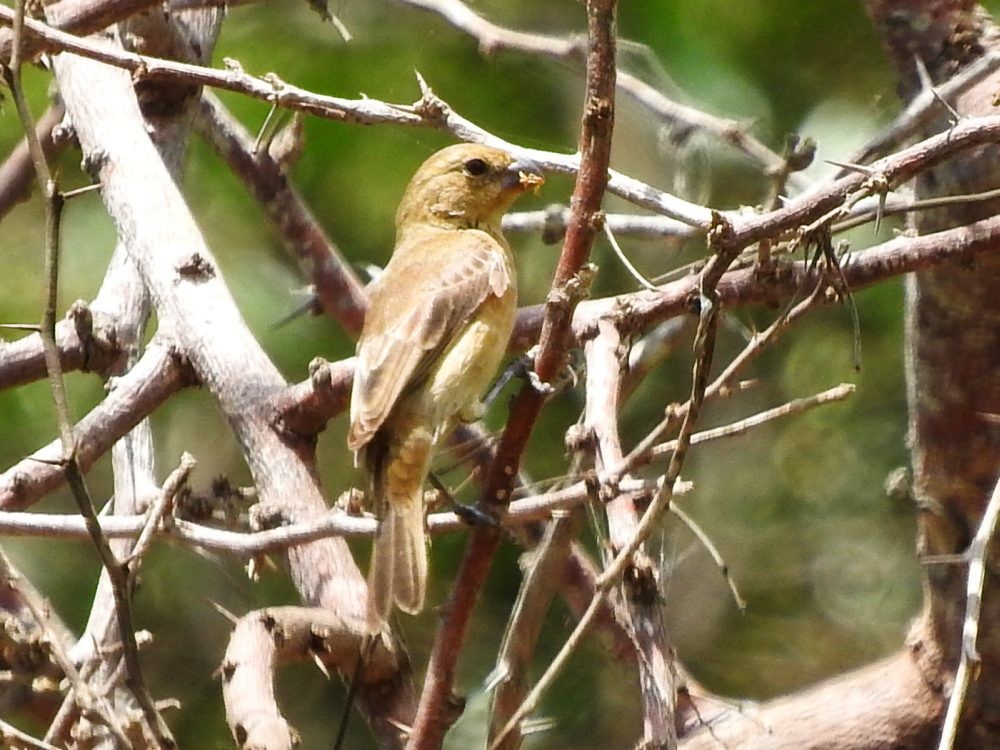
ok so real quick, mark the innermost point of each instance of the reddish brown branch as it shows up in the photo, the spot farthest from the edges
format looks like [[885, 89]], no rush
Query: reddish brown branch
[[337, 288], [17, 173], [433, 714]]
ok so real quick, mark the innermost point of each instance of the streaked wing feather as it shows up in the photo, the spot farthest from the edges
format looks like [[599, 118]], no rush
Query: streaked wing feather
[[400, 342]]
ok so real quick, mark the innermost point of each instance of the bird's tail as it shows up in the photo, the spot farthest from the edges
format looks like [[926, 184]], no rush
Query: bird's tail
[[398, 572]]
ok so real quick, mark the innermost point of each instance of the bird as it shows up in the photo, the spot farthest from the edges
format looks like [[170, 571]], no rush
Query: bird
[[439, 318]]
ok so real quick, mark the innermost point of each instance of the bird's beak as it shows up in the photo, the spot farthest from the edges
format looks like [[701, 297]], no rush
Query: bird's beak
[[523, 175]]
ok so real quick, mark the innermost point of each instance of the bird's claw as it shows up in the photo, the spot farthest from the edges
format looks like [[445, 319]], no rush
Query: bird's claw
[[546, 389], [472, 412], [473, 516]]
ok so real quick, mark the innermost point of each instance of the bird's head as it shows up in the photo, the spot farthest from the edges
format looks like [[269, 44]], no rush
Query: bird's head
[[466, 186]]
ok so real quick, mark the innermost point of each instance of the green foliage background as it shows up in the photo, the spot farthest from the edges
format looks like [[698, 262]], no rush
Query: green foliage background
[[797, 508]]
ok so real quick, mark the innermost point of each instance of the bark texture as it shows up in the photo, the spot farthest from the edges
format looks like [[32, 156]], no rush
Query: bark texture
[[953, 341]]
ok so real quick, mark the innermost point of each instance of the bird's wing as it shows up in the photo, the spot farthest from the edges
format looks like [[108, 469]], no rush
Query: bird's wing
[[426, 294]]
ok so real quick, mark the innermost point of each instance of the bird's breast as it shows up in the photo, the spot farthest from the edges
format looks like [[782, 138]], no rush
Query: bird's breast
[[469, 363]]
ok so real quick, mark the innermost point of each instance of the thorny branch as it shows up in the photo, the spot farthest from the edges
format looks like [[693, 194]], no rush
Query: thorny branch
[[641, 587], [303, 410], [337, 288], [588, 194], [704, 351], [568, 50], [161, 735], [428, 112]]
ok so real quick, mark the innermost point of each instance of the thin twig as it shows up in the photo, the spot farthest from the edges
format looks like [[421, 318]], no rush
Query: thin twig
[[178, 477], [15, 739], [969, 662], [569, 50], [923, 204], [704, 350], [706, 542], [74, 476], [84, 697], [796, 406], [633, 271]]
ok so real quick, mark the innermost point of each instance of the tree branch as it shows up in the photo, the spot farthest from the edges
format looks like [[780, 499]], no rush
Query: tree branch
[[193, 302], [264, 639], [337, 288], [595, 151]]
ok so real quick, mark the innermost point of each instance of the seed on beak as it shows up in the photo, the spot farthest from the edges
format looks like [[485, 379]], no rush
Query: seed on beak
[[523, 174]]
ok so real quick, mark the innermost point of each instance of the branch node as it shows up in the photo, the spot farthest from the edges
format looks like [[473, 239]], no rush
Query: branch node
[[195, 267], [429, 105], [93, 163], [233, 66], [721, 235]]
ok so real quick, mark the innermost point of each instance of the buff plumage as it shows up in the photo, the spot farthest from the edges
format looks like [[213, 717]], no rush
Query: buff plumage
[[439, 320]]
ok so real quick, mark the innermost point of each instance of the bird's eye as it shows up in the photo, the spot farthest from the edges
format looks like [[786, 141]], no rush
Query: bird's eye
[[475, 167]]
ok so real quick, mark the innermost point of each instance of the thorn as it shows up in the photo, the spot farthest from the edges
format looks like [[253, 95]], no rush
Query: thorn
[[922, 74], [345, 34], [370, 271], [320, 665], [48, 461], [310, 304], [500, 673], [537, 725], [266, 132], [859, 168], [77, 192], [233, 619], [425, 90], [404, 728], [926, 83], [880, 211]]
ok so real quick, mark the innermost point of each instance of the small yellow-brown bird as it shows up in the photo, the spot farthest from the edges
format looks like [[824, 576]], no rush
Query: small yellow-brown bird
[[440, 316]]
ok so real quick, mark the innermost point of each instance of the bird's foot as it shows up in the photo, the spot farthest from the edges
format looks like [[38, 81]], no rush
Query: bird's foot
[[472, 412], [474, 516]]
